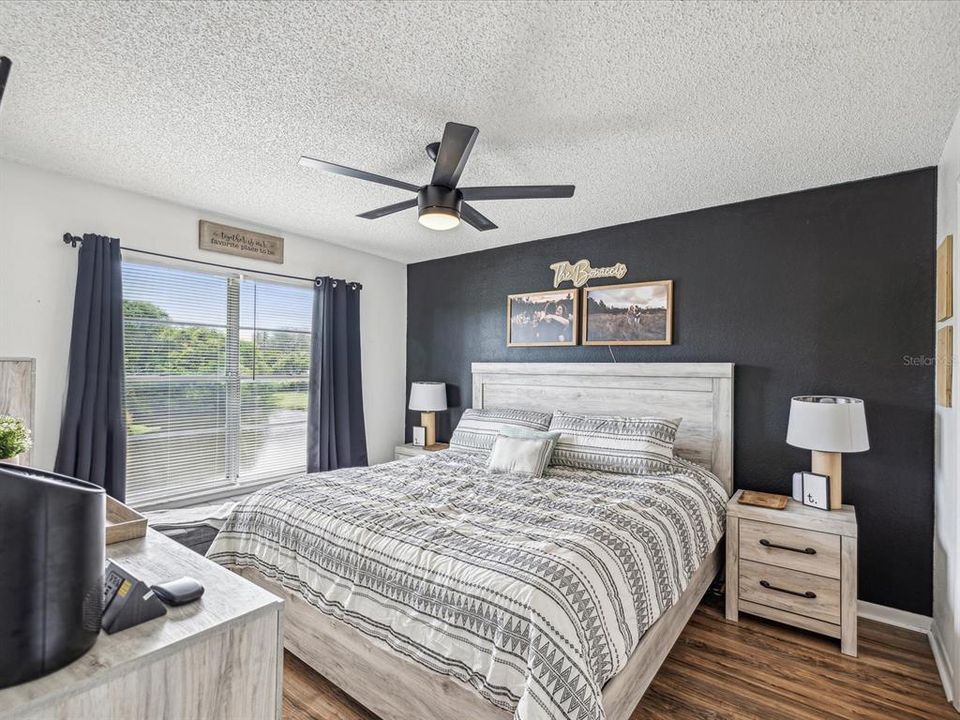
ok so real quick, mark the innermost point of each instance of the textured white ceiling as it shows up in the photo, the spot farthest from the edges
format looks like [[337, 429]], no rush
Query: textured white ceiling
[[650, 109]]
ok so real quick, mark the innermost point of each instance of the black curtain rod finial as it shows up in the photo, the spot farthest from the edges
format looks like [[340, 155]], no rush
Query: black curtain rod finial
[[71, 240]]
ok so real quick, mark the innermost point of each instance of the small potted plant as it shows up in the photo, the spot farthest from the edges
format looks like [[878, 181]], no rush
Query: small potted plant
[[14, 438]]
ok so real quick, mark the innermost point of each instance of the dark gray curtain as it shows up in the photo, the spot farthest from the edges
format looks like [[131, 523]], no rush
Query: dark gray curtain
[[93, 437], [336, 436]]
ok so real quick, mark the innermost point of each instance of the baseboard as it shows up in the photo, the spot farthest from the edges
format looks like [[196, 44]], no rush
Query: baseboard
[[893, 616], [920, 624], [943, 665]]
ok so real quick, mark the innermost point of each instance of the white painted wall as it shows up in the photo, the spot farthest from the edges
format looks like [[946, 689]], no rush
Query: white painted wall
[[946, 545], [38, 276]]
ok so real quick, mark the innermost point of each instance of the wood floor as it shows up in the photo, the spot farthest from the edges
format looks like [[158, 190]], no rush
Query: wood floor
[[752, 670]]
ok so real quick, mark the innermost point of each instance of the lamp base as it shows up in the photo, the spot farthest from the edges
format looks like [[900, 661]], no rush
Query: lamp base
[[429, 422], [828, 463]]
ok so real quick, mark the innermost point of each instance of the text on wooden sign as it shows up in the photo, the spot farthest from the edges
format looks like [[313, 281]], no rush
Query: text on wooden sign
[[580, 272], [236, 241]]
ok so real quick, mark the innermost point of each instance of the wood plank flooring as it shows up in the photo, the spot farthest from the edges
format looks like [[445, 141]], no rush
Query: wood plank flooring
[[753, 670]]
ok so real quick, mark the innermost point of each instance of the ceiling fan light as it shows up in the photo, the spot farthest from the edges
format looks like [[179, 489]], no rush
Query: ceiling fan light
[[437, 218]]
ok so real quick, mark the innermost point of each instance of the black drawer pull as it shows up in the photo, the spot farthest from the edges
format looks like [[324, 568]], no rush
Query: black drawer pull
[[805, 551], [809, 595]]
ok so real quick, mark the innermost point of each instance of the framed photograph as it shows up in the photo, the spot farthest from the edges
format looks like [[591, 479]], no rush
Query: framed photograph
[[945, 279], [798, 487], [945, 366], [816, 490], [542, 318], [419, 435], [630, 314]]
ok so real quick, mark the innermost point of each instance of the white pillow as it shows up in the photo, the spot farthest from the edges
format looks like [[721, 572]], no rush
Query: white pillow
[[627, 445], [527, 456]]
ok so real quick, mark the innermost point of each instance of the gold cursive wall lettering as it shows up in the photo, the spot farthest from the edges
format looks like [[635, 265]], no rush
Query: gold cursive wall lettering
[[580, 272]]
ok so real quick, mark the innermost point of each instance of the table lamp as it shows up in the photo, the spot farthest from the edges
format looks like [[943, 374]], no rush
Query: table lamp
[[828, 426], [428, 398]]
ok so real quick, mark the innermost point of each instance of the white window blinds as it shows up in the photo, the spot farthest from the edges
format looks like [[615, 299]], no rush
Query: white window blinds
[[274, 372], [216, 381]]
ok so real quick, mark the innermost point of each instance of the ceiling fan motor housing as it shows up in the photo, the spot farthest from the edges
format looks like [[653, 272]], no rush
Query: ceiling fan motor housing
[[437, 198]]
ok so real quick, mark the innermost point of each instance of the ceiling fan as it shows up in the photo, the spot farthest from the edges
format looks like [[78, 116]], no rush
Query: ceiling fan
[[441, 203]]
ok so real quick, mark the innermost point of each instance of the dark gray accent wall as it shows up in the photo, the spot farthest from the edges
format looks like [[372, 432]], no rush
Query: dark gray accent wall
[[823, 291]]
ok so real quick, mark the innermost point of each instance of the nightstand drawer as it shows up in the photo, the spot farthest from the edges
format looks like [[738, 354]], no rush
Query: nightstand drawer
[[805, 550], [797, 592]]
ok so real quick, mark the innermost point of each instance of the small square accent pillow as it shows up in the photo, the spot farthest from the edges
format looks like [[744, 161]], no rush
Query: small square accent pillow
[[524, 455], [478, 429], [626, 445]]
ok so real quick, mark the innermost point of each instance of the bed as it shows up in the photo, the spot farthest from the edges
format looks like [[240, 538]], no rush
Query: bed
[[430, 588]]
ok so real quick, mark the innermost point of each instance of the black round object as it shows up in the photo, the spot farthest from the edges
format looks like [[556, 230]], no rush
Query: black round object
[[51, 570], [438, 196]]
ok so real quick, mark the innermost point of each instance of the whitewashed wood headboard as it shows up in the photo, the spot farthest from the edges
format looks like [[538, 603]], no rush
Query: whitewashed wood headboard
[[700, 393]]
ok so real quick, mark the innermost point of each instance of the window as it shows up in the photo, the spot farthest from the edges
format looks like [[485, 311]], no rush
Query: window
[[216, 381]]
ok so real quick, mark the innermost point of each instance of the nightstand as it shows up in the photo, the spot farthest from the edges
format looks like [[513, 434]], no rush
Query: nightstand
[[410, 450], [797, 566]]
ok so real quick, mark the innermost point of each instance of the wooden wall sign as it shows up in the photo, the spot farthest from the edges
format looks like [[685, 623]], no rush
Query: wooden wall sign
[[244, 243], [945, 366], [580, 272], [945, 279]]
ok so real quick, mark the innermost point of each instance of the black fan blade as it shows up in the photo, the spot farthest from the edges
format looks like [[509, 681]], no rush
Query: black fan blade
[[470, 216], [351, 172], [455, 147], [388, 210], [517, 192]]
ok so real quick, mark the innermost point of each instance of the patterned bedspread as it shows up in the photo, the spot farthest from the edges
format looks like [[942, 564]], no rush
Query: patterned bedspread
[[533, 591]]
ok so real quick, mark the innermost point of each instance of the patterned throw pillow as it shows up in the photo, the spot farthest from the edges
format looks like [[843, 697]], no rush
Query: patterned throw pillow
[[523, 455], [478, 429], [631, 446]]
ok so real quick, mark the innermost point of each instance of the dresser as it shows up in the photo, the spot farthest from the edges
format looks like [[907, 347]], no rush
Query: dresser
[[797, 566], [218, 658], [410, 450]]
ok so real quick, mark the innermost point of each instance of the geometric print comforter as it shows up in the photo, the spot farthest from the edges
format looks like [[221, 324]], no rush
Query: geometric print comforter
[[534, 591]]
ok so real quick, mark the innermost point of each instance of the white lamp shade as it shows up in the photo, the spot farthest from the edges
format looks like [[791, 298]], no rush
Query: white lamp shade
[[428, 396], [828, 424]]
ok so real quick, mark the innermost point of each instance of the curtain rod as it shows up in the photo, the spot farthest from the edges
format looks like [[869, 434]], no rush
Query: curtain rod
[[73, 240]]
